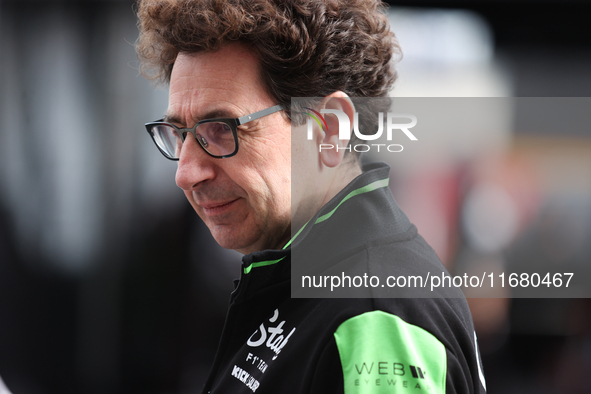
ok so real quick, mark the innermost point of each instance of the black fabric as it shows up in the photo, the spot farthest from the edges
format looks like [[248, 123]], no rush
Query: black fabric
[[306, 356]]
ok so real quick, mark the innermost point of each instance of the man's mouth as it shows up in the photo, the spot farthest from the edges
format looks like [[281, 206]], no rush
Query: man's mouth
[[215, 208]]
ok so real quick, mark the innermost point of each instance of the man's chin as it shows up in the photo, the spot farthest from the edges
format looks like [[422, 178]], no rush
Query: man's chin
[[229, 239]]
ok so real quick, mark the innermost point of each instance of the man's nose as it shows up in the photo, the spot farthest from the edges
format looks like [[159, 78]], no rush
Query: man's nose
[[195, 166]]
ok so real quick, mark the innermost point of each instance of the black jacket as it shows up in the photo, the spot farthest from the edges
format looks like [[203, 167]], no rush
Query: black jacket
[[273, 343]]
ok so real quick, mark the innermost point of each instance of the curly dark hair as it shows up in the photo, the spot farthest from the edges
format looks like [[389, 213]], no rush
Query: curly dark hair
[[306, 48]]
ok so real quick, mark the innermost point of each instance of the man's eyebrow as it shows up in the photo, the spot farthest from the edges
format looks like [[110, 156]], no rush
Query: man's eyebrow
[[217, 113]]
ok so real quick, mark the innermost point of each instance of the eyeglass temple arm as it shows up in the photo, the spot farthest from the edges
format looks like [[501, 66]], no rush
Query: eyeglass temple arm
[[259, 114]]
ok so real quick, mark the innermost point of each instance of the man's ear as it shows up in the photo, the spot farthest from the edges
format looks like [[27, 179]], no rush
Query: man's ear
[[333, 148]]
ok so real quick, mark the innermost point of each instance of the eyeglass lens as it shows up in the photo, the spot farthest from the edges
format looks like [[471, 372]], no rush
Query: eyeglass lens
[[215, 137]]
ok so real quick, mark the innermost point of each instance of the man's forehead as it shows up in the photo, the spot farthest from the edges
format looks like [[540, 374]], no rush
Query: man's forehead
[[201, 104], [221, 84]]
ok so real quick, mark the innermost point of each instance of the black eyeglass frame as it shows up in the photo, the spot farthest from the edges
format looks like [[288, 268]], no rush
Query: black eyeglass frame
[[232, 122]]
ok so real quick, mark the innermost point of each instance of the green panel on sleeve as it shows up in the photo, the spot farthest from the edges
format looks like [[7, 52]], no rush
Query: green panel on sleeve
[[381, 353]]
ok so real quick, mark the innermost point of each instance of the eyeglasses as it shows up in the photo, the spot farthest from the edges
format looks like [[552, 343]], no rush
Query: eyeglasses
[[217, 137]]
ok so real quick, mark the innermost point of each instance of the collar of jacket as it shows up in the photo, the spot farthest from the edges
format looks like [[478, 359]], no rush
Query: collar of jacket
[[362, 213]]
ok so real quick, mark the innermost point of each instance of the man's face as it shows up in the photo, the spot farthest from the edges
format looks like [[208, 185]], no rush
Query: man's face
[[244, 200]]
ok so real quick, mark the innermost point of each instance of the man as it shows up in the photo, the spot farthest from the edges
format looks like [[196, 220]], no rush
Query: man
[[233, 68]]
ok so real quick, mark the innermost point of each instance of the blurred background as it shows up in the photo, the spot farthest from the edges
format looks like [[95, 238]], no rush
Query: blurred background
[[110, 283]]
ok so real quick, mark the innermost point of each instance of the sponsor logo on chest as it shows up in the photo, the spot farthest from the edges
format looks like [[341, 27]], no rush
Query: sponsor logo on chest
[[273, 335]]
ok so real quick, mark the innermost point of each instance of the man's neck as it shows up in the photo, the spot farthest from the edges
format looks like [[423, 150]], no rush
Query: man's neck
[[327, 186], [341, 179]]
